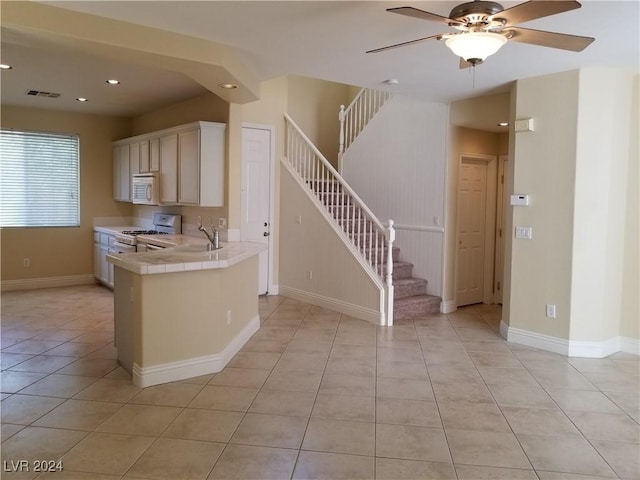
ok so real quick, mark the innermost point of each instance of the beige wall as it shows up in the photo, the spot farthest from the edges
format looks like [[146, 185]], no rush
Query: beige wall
[[314, 105], [483, 110], [269, 110], [313, 246], [544, 168], [207, 108], [578, 168], [304, 99], [600, 211], [57, 252]]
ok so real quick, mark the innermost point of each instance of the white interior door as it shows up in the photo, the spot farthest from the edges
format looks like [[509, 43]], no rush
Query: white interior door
[[472, 200], [256, 215]]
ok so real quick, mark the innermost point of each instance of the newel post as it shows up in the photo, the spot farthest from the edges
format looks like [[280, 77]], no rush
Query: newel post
[[391, 237]]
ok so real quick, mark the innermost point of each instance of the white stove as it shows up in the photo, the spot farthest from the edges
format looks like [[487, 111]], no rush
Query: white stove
[[164, 224]]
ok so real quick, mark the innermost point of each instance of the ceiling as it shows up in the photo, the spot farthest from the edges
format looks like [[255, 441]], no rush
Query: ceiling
[[319, 39]]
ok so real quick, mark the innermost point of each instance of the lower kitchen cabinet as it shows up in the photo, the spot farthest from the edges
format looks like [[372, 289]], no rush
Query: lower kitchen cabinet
[[103, 246]]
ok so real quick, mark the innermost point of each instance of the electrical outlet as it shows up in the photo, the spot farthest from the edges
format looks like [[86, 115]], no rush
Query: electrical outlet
[[551, 311], [26, 262], [222, 222], [228, 317], [310, 274], [298, 219]]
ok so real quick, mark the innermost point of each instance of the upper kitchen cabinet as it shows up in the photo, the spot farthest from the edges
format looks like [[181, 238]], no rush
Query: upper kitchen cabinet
[[134, 158], [169, 168], [189, 159], [121, 172], [201, 165]]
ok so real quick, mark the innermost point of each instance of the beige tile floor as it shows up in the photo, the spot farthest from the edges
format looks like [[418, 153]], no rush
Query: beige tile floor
[[314, 394]]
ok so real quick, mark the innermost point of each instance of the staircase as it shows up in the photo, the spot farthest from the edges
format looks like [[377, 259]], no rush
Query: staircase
[[410, 293], [402, 296]]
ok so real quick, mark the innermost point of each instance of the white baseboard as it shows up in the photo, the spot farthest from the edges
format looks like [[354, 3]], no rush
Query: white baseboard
[[194, 367], [630, 345], [356, 311], [47, 282], [274, 290], [504, 330], [570, 348], [448, 306]]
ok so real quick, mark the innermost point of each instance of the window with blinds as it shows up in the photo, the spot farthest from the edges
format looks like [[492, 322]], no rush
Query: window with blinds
[[39, 179]]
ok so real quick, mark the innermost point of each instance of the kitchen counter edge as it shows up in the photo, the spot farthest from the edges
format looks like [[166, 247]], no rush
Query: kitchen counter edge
[[169, 260]]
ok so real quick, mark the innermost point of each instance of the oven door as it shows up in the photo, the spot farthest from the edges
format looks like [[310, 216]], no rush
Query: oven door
[[123, 248]]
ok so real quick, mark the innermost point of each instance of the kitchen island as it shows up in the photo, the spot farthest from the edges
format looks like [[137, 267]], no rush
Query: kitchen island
[[184, 311]]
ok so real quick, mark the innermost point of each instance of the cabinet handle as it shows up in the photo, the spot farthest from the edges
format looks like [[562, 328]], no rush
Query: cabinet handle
[[265, 234]]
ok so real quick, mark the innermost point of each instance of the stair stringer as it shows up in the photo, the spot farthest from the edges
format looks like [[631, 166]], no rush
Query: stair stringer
[[372, 313]]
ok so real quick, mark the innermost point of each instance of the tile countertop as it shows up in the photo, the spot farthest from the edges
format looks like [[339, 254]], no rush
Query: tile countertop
[[168, 240], [113, 230], [175, 259]]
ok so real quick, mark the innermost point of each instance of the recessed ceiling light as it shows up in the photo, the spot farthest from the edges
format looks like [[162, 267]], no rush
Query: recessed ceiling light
[[82, 99], [228, 86], [113, 82], [503, 124], [4, 66]]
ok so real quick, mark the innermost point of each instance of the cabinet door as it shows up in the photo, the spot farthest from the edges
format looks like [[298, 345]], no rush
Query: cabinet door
[[169, 169], [104, 265], [189, 167], [110, 270], [144, 156], [134, 157], [97, 263], [154, 155], [124, 174], [116, 172]]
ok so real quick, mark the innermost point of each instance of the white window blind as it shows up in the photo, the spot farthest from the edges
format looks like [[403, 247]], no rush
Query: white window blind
[[39, 179]]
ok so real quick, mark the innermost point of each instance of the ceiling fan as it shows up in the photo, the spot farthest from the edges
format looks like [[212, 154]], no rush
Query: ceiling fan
[[485, 26]]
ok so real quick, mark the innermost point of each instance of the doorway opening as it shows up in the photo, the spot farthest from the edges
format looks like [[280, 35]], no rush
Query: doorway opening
[[478, 233], [257, 198]]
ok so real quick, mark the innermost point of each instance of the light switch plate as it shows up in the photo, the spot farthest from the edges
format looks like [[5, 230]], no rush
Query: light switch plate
[[519, 199], [524, 232], [524, 125]]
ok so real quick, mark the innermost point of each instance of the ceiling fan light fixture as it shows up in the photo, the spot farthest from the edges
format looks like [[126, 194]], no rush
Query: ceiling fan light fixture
[[474, 47]]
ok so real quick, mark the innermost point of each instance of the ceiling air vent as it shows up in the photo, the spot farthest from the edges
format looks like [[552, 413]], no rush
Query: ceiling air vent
[[40, 93]]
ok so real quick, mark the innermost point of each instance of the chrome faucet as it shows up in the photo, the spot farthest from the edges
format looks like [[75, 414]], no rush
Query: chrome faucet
[[214, 236]]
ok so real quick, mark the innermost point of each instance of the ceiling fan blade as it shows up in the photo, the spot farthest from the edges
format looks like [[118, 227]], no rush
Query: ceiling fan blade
[[403, 44], [562, 41], [421, 14], [532, 10]]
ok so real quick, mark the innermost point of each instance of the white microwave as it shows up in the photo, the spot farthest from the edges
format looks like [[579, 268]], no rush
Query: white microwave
[[145, 188]]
